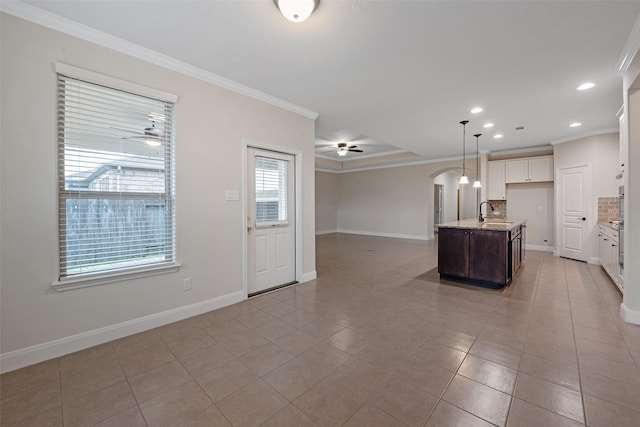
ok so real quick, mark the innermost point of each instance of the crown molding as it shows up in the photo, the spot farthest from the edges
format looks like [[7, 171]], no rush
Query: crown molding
[[527, 150], [584, 135], [84, 32], [631, 47], [364, 156], [387, 166]]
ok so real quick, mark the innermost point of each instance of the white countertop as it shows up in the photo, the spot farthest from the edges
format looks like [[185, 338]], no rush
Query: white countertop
[[498, 224]]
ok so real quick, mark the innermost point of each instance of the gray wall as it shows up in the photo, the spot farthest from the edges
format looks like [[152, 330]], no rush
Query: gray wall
[[327, 194], [211, 124]]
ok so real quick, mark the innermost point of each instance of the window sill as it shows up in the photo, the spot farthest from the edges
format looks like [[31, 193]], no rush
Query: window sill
[[103, 279]]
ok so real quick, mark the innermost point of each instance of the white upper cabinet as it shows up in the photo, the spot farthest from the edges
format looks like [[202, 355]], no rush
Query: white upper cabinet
[[534, 169], [496, 190]]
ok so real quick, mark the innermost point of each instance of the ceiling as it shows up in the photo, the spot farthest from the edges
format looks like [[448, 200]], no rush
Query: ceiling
[[400, 75]]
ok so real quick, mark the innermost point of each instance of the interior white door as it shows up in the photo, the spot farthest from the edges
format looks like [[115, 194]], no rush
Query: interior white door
[[573, 212], [270, 220]]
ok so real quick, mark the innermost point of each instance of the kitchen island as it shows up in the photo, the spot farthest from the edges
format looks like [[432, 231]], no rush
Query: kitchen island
[[487, 253]]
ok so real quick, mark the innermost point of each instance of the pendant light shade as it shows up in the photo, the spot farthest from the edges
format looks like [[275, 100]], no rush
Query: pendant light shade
[[463, 178], [296, 10], [476, 183]]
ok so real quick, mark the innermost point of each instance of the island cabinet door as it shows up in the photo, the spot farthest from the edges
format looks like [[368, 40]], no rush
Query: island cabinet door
[[488, 256], [453, 252]]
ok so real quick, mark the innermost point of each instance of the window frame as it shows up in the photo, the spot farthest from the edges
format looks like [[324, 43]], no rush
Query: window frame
[[85, 279]]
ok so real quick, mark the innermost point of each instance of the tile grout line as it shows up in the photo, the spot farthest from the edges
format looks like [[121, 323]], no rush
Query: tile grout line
[[575, 343], [515, 383]]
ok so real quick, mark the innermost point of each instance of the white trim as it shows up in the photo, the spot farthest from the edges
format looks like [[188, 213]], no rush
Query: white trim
[[120, 276], [528, 150], [629, 50], [629, 315], [541, 248], [394, 165], [393, 235], [38, 353], [594, 261], [584, 135], [112, 82], [84, 32], [307, 277], [297, 155], [363, 156], [318, 233]]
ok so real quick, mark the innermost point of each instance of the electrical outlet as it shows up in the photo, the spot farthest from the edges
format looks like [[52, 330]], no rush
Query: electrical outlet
[[186, 284]]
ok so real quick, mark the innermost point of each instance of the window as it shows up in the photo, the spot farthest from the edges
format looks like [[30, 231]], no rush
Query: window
[[271, 191], [115, 180]]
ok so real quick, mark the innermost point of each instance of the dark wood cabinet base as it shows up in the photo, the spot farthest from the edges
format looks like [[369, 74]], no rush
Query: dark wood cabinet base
[[486, 258]]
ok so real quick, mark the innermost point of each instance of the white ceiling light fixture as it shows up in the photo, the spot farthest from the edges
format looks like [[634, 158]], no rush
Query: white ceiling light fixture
[[585, 86], [476, 110], [476, 183], [342, 151], [575, 124], [498, 136], [487, 125], [296, 10], [463, 178]]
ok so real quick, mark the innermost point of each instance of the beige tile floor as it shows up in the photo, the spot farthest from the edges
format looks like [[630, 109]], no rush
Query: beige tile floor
[[375, 341]]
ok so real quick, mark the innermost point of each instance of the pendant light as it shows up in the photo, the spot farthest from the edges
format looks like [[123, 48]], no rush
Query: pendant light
[[476, 183], [463, 178]]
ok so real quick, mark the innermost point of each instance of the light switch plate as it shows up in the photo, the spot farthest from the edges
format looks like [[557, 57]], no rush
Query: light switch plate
[[232, 195]]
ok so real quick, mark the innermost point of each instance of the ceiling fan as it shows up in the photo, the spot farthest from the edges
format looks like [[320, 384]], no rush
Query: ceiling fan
[[151, 135], [343, 148]]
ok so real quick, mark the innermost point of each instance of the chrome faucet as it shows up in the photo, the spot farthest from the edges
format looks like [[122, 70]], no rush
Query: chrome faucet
[[481, 218]]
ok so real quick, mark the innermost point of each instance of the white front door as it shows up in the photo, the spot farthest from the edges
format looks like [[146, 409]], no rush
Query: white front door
[[573, 212], [270, 220]]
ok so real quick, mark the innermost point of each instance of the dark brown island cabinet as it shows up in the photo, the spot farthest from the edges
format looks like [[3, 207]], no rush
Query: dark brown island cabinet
[[487, 254]]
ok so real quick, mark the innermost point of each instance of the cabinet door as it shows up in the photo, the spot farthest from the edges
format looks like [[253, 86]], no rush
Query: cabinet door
[[453, 252], [496, 189], [517, 171], [488, 260], [541, 169]]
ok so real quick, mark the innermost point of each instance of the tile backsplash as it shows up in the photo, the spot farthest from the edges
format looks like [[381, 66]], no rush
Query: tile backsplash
[[608, 209], [500, 207]]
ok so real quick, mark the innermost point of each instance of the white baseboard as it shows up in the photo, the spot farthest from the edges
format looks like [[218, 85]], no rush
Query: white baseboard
[[393, 235], [307, 277], [39, 353], [629, 315], [325, 232], [593, 260], [541, 248]]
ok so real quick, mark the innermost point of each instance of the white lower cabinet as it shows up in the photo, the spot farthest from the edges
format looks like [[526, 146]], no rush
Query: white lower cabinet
[[608, 244]]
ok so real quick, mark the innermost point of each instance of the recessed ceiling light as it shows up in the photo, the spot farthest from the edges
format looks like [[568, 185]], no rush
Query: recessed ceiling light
[[498, 136], [487, 125], [585, 86], [575, 124], [476, 110]]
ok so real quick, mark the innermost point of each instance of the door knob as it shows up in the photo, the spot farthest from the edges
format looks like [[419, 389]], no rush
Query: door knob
[[249, 229]]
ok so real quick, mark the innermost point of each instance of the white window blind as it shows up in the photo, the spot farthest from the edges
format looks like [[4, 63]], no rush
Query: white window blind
[[115, 180], [271, 190]]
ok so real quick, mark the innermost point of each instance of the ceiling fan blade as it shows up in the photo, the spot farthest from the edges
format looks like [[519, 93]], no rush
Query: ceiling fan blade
[[353, 146], [356, 151]]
